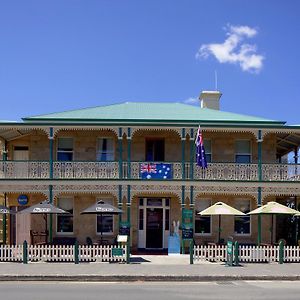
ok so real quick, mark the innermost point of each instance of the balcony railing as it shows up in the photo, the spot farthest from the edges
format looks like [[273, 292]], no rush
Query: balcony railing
[[88, 170], [24, 169], [136, 170]]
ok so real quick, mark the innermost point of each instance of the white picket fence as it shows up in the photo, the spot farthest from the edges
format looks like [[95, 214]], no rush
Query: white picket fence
[[259, 253], [59, 253], [11, 253], [213, 253], [100, 253], [256, 254]]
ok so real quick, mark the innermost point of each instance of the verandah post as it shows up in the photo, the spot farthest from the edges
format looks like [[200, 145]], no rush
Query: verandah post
[[50, 217], [192, 153], [51, 137], [259, 200], [129, 153], [129, 222], [183, 152], [182, 218], [120, 140]]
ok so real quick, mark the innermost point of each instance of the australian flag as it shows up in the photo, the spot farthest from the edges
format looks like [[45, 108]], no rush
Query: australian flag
[[200, 151], [155, 171]]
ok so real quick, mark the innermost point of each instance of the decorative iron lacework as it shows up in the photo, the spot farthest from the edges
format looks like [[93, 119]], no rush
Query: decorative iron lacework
[[221, 190], [90, 189], [25, 188], [281, 172], [24, 169], [57, 129], [227, 171], [280, 191], [137, 190], [86, 170]]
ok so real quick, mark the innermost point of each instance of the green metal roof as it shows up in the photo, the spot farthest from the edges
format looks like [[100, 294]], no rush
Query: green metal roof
[[149, 112]]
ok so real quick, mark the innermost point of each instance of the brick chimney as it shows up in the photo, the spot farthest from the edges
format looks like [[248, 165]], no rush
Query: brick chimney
[[210, 99]]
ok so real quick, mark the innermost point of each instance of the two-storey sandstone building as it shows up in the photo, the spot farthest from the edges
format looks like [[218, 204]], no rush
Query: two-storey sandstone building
[[75, 158]]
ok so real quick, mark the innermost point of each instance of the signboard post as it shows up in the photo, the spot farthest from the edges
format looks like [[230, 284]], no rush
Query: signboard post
[[230, 252], [187, 227]]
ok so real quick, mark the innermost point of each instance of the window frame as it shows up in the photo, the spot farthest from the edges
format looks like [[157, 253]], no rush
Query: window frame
[[113, 148], [111, 202], [59, 233], [208, 153], [154, 139], [196, 215], [240, 153], [57, 151], [250, 219]]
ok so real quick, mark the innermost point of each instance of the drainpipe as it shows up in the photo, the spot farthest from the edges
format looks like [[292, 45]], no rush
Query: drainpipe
[[51, 177]]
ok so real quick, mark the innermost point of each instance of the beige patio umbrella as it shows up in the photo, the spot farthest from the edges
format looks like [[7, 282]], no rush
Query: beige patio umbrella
[[272, 208], [219, 209]]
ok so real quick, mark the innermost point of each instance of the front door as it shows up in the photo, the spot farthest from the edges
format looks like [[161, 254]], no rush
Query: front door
[[20, 225], [154, 228]]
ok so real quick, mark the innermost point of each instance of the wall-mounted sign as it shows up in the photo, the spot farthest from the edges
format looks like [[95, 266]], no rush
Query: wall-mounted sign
[[23, 199]]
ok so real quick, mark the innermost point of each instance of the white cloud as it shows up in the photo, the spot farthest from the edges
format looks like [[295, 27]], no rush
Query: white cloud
[[191, 100], [234, 50]]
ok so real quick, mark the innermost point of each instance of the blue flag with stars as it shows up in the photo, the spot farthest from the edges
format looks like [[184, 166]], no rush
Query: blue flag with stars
[[200, 151], [155, 171]]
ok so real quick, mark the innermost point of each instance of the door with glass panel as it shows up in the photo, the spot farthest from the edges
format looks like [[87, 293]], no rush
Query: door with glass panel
[[154, 223]]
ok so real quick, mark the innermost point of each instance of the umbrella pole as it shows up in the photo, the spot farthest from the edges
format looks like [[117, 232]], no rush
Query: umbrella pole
[[272, 215], [46, 223], [219, 236]]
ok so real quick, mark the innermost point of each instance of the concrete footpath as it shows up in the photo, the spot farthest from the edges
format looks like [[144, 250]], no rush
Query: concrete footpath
[[147, 268]]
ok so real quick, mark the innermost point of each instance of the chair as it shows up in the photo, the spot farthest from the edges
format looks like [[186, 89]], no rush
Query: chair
[[89, 241]]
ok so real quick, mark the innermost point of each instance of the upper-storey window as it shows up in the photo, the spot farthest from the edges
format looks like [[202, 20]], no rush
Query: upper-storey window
[[105, 150], [207, 147], [155, 150], [242, 151], [65, 149]]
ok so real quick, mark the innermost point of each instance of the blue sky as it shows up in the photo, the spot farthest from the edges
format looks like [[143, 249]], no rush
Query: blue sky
[[59, 55]]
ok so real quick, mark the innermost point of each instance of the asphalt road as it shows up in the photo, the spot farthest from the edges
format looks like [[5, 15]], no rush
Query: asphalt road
[[147, 290]]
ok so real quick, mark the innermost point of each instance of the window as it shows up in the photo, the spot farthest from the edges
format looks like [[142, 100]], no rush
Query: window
[[242, 223], [155, 150], [107, 224], [207, 147], [202, 223], [64, 223], [65, 149], [243, 151], [105, 151]]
